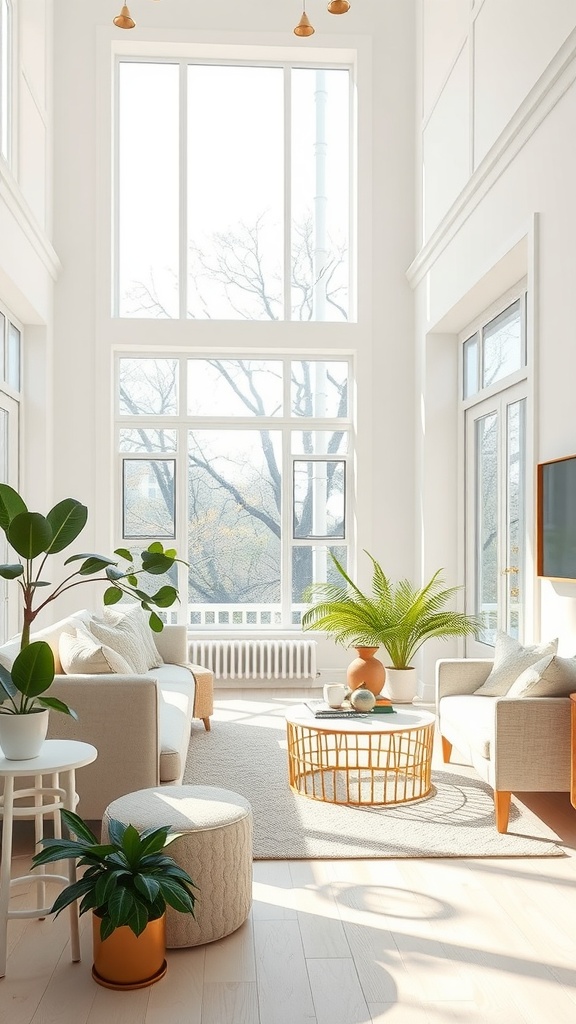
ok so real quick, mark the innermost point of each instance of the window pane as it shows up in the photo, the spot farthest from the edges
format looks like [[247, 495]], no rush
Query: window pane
[[235, 192], [319, 389], [149, 387], [502, 345], [320, 182], [319, 499], [320, 442], [312, 564], [234, 494], [234, 387], [471, 378], [148, 190], [13, 367], [515, 578], [5, 79], [144, 440], [487, 526], [149, 498]]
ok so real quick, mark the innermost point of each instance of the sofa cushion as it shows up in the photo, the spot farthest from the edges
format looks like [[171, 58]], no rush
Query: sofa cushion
[[177, 686], [81, 653], [511, 658], [470, 718], [50, 634], [174, 736], [133, 616], [552, 676], [122, 638]]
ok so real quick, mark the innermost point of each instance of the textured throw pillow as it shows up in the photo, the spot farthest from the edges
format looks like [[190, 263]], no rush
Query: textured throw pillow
[[135, 615], [81, 653], [551, 677], [122, 639], [510, 660]]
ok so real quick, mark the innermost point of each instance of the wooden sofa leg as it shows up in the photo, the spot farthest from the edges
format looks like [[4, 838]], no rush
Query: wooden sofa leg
[[446, 749], [206, 724], [502, 809]]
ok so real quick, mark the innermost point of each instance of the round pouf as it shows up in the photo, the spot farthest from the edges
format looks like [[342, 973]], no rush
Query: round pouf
[[214, 845]]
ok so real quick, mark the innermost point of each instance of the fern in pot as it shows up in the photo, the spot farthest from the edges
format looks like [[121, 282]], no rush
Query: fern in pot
[[127, 884], [24, 701], [398, 617]]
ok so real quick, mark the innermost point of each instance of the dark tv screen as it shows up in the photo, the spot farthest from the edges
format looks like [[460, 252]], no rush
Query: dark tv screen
[[557, 518]]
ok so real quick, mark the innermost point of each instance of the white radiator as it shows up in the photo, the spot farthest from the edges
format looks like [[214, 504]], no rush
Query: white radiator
[[256, 659]]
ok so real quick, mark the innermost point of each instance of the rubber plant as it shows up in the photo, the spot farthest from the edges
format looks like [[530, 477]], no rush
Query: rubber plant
[[399, 617], [35, 538]]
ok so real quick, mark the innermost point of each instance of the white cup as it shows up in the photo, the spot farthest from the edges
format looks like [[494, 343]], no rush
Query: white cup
[[334, 694]]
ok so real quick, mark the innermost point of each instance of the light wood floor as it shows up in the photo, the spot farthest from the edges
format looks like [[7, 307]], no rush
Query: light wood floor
[[340, 942]]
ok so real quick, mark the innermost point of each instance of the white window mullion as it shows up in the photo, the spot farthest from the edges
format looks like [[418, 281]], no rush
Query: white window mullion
[[287, 194], [183, 192]]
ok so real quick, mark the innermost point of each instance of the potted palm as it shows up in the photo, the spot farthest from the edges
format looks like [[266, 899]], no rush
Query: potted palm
[[24, 705], [399, 617], [127, 884]]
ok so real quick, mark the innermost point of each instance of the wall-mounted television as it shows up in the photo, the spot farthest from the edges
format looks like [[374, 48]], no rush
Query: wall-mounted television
[[556, 555]]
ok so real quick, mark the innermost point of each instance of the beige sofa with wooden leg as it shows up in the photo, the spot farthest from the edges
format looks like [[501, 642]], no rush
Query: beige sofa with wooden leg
[[517, 745]]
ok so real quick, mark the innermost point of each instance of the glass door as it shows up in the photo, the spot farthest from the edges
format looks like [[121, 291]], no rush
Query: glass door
[[495, 516], [8, 474]]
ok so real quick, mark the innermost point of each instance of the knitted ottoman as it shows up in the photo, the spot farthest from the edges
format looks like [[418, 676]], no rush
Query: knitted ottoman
[[214, 844]]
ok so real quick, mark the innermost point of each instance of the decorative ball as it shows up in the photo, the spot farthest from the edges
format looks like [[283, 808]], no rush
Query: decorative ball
[[362, 700]]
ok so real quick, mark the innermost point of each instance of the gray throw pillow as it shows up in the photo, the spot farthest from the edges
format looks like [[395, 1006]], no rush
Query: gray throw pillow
[[553, 676], [511, 658]]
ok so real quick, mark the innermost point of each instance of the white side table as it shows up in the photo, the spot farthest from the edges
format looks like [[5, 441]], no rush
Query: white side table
[[58, 757]]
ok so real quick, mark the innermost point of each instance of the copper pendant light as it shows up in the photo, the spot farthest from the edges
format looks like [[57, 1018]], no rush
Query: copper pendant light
[[304, 28], [338, 6], [124, 19]]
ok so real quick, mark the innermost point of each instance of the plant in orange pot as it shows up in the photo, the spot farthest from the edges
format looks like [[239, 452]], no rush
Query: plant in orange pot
[[399, 617], [127, 884]]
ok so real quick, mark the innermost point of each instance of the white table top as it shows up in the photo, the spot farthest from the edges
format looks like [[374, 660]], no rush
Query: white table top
[[401, 720], [55, 756]]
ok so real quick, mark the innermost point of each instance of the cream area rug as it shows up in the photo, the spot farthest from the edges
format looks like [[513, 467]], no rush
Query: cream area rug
[[245, 751]]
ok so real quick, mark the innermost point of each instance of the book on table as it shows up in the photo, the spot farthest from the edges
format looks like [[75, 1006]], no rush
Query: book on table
[[320, 709]]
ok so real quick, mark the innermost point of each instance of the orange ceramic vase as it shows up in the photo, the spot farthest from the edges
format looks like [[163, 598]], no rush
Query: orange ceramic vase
[[366, 671]]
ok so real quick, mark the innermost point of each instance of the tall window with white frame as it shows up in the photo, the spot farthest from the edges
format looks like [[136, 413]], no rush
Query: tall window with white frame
[[251, 221], [495, 370], [5, 77], [243, 462]]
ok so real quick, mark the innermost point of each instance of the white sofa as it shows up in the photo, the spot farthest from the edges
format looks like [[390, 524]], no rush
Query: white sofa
[[140, 724], [517, 745]]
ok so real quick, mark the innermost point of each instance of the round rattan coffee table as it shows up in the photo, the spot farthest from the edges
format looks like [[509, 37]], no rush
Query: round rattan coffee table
[[384, 759]]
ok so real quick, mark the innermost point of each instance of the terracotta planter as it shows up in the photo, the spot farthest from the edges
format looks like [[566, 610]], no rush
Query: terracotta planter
[[127, 961], [366, 671]]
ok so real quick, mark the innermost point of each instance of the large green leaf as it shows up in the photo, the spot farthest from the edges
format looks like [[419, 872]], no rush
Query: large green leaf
[[177, 896], [33, 669], [7, 688], [149, 887], [155, 623], [164, 597], [139, 918], [29, 534], [131, 845], [11, 572], [93, 564], [11, 505], [78, 826], [57, 705], [67, 519], [120, 906], [70, 894], [156, 563], [112, 595]]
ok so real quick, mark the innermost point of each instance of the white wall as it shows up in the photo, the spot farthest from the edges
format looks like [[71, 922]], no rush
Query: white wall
[[383, 36], [514, 215]]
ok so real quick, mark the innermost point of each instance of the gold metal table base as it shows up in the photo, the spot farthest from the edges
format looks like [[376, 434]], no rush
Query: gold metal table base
[[360, 768]]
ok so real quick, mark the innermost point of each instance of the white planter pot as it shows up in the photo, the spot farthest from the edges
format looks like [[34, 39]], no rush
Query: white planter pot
[[401, 685], [22, 736]]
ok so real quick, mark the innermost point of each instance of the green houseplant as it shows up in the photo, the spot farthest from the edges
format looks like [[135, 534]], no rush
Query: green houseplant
[[127, 884], [399, 617], [35, 538]]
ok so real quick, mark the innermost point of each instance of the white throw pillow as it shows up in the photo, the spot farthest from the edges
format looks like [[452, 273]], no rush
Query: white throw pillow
[[122, 639], [138, 619], [551, 677], [81, 653], [510, 660]]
